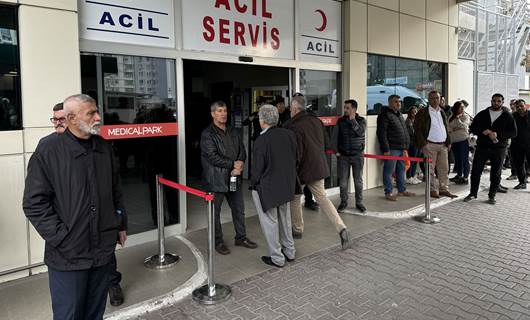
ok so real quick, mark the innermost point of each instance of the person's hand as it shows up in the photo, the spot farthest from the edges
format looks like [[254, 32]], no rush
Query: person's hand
[[492, 135], [486, 132], [337, 154], [235, 172], [238, 164], [386, 153], [449, 148], [122, 237]]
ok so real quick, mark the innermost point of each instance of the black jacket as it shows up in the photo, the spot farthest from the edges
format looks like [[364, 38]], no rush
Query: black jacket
[[311, 162], [274, 167], [349, 136], [72, 197], [522, 140], [504, 126], [216, 164], [392, 131]]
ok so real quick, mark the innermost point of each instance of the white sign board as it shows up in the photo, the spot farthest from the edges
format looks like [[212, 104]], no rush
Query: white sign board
[[263, 28], [148, 23], [320, 30]]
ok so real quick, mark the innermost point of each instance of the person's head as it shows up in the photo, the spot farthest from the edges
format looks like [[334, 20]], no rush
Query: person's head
[[219, 113], [260, 100], [297, 105], [512, 105], [82, 117], [280, 104], [442, 101], [268, 116], [435, 100], [496, 101], [58, 119], [412, 112], [466, 104], [350, 108], [457, 109], [394, 102], [520, 107]]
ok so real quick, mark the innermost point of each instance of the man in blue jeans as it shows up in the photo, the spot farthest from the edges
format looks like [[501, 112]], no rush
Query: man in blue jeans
[[393, 140]]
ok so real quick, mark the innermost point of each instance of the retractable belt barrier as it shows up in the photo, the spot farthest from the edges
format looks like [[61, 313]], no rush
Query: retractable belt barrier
[[210, 293]]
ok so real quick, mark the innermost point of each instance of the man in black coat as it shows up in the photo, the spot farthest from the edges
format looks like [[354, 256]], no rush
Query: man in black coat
[[312, 168], [273, 185], [520, 146], [222, 157], [493, 126], [73, 199], [348, 143]]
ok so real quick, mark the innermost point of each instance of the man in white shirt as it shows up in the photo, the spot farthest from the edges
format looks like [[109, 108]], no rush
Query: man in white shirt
[[430, 128]]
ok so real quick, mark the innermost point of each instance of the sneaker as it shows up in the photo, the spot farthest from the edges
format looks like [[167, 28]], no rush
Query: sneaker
[[360, 207], [512, 177], [222, 249], [391, 197], [470, 197], [520, 186], [343, 205], [410, 180], [247, 243], [345, 239], [417, 181], [502, 189], [115, 295]]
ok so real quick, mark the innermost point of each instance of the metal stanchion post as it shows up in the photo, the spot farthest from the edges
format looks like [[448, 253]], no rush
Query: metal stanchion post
[[162, 260], [211, 293], [428, 218]]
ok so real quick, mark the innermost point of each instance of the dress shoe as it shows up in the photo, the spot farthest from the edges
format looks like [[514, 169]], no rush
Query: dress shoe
[[343, 205], [455, 178], [360, 207], [222, 249], [268, 260], [491, 200], [502, 190], [512, 177], [406, 194], [245, 243], [286, 257], [435, 194], [345, 239], [391, 197], [311, 205], [448, 194], [115, 295], [297, 235], [520, 186], [470, 197]]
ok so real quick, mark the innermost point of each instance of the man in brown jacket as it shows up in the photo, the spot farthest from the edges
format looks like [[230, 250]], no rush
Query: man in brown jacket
[[312, 168], [430, 127]]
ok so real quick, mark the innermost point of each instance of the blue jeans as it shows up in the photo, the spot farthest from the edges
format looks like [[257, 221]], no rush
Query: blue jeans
[[461, 152], [389, 167]]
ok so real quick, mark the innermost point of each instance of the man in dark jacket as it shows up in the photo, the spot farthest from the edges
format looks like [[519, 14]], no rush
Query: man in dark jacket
[[312, 168], [273, 182], [393, 139], [432, 137], [520, 147], [493, 126], [73, 199], [348, 144], [283, 112], [222, 157]]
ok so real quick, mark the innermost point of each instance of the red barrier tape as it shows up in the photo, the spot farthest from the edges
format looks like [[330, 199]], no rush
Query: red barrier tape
[[199, 193], [383, 157]]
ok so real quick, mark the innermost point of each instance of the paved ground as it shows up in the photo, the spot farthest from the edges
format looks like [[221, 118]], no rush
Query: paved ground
[[473, 265]]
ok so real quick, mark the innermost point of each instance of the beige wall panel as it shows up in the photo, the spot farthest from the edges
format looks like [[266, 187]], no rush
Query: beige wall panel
[[413, 7], [356, 27], [383, 31], [32, 137], [36, 246], [56, 4], [453, 13], [438, 10], [13, 235], [11, 142], [437, 42], [53, 73], [452, 89], [412, 37], [389, 4], [8, 1], [453, 45], [355, 79]]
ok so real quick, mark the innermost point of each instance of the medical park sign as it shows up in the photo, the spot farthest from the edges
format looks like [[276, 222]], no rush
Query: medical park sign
[[148, 23], [262, 28]]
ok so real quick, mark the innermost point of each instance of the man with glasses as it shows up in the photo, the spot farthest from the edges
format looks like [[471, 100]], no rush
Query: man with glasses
[[58, 119]]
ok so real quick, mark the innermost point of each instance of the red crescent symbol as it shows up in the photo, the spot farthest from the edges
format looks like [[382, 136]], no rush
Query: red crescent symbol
[[324, 20]]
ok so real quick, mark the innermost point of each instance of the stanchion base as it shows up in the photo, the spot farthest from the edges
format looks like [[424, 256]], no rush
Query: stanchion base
[[432, 220], [222, 293], [153, 262]]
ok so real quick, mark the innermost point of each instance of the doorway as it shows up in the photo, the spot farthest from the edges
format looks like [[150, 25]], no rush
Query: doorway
[[243, 88]]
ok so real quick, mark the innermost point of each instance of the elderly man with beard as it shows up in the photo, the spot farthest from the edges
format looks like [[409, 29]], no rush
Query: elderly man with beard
[[73, 199]]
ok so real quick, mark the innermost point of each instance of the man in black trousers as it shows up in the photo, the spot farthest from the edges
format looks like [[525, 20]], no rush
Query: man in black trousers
[[493, 126], [520, 147]]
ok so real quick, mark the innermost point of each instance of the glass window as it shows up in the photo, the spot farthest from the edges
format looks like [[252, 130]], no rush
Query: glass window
[[411, 79], [128, 98], [10, 112], [323, 97]]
